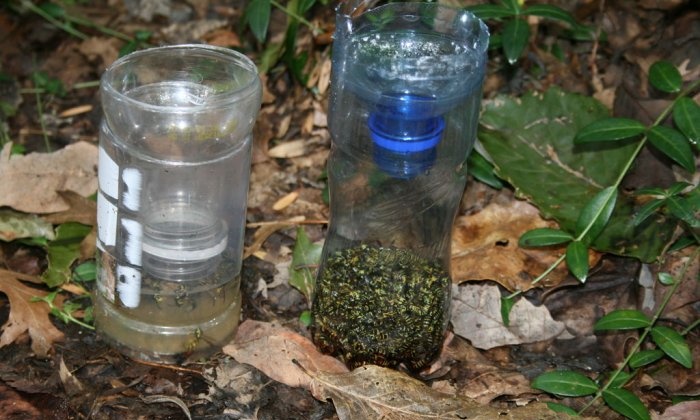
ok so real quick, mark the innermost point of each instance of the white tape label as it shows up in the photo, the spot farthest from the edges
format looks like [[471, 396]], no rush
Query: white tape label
[[106, 221], [132, 196], [129, 286], [133, 241], [107, 174]]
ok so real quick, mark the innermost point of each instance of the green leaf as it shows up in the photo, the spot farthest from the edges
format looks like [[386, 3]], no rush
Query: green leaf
[[269, 57], [686, 115], [54, 10], [645, 357], [673, 344], [482, 170], [495, 42], [682, 243], [565, 383], [515, 34], [304, 6], [626, 403], [513, 5], [673, 144], [506, 305], [622, 319], [586, 33], [49, 84], [86, 271], [684, 210], [596, 214], [142, 35], [577, 260], [561, 408], [305, 259], [620, 380], [677, 188], [550, 12], [665, 77], [305, 318], [647, 210], [666, 279], [610, 129], [63, 251], [16, 225], [529, 140], [257, 15], [490, 11], [544, 237]]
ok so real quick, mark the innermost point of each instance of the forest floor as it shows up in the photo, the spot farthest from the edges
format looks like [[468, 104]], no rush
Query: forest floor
[[50, 102]]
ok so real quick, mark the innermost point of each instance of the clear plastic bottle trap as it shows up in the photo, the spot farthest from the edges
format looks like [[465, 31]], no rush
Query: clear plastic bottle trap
[[174, 166], [404, 102]]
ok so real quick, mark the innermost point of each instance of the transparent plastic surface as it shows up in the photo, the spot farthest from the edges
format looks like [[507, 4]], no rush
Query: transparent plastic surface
[[174, 166], [405, 95]]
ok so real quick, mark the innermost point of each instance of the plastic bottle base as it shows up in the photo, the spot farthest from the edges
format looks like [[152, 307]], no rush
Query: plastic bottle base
[[165, 344]]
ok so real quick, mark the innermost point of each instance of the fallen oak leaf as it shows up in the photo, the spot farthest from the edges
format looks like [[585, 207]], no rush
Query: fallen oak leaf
[[71, 384], [476, 316], [80, 209], [31, 183], [374, 392], [27, 316], [492, 235], [16, 225], [277, 352]]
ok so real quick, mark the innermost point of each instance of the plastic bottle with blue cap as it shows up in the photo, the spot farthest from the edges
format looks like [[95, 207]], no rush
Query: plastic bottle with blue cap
[[403, 111]]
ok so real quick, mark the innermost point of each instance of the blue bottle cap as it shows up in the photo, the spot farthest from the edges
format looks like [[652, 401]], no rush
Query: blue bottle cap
[[405, 131], [403, 135]]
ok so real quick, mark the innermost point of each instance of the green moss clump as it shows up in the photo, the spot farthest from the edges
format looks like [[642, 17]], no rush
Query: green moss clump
[[383, 306]]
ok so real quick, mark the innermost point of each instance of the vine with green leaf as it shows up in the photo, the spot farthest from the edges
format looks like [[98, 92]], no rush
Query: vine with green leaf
[[678, 205]]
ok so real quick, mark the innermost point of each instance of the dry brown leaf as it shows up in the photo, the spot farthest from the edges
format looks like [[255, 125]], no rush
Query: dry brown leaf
[[265, 230], [485, 247], [76, 110], [373, 392], [107, 49], [276, 350], [31, 183], [81, 210], [26, 316], [476, 316], [71, 384], [285, 201], [686, 410], [223, 38], [288, 149]]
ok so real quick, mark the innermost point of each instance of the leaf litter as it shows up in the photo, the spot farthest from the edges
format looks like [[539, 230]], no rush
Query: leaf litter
[[497, 379]]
